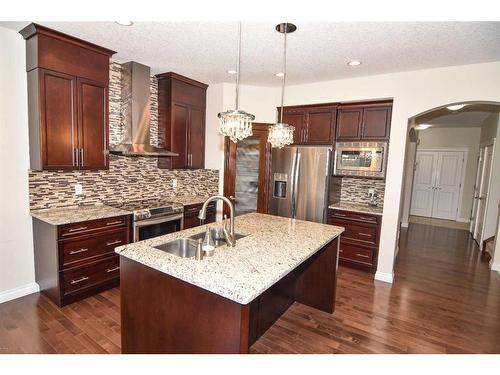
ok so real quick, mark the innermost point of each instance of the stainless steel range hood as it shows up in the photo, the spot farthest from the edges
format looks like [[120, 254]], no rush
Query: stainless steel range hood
[[136, 113]]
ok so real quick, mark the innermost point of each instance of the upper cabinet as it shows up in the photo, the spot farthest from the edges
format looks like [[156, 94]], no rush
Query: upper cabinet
[[181, 120], [364, 121], [67, 100], [314, 125]]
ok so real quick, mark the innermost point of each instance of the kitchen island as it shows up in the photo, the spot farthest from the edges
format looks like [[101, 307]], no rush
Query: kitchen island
[[224, 303]]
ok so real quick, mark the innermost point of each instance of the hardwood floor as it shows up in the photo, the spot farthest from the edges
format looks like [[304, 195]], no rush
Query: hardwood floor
[[444, 300]]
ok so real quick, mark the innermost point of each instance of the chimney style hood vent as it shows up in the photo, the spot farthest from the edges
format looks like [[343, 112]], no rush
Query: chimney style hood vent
[[136, 113]]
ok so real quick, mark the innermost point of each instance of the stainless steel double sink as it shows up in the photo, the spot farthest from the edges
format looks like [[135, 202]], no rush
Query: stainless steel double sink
[[186, 247]]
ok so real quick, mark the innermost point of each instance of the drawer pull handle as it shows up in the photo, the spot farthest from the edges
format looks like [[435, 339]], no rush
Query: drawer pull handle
[[364, 234], [114, 222], [84, 278], [337, 214], [367, 218], [113, 269], [341, 251], [82, 250], [362, 255], [113, 242], [76, 229]]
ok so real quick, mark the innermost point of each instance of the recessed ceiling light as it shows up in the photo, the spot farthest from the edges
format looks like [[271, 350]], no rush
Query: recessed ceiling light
[[455, 107], [422, 126], [280, 74], [354, 63], [125, 23], [231, 71]]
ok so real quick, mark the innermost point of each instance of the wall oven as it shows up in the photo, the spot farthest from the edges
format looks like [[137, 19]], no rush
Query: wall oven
[[363, 159]]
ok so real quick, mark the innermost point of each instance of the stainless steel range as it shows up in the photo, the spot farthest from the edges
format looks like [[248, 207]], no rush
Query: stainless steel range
[[153, 217]]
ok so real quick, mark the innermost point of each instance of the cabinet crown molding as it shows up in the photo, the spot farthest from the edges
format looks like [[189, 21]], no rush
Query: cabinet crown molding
[[178, 77], [34, 29]]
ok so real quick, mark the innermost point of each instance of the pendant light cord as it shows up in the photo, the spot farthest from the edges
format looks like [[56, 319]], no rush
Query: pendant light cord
[[284, 75], [238, 66]]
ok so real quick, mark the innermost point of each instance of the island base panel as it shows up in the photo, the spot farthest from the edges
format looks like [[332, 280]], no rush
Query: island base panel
[[162, 314]]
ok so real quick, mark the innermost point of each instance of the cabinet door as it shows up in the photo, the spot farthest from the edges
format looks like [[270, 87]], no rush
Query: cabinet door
[[196, 156], [349, 124], [179, 134], [297, 120], [58, 120], [376, 123], [320, 127], [92, 124]]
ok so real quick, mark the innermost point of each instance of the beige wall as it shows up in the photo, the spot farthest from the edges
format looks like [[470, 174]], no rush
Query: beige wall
[[17, 272], [490, 127], [467, 138]]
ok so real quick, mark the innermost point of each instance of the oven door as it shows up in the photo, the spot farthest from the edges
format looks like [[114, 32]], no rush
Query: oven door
[[158, 226]]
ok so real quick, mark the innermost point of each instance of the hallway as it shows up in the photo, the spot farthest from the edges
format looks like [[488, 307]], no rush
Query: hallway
[[444, 300]]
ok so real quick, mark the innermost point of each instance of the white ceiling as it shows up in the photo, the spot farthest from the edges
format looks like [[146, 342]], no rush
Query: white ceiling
[[317, 51]]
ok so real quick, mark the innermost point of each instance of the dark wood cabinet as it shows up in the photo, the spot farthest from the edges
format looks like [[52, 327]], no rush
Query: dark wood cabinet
[[191, 215], [181, 120], [76, 260], [364, 121], [349, 124], [360, 241], [67, 100], [314, 124]]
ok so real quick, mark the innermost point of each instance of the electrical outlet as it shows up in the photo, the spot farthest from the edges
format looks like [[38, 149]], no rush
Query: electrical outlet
[[174, 183], [78, 189], [371, 192]]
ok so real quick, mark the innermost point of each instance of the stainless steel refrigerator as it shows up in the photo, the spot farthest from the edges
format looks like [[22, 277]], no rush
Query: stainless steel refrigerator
[[299, 182]]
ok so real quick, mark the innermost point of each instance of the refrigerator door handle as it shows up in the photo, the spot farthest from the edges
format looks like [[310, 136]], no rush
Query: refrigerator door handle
[[295, 186]]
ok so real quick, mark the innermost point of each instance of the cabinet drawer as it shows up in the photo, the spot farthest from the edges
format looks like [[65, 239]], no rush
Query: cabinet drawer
[[354, 253], [96, 273], [351, 215], [91, 226], [357, 231], [77, 250]]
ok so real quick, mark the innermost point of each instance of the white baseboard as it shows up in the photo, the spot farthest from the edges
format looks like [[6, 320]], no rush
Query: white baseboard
[[463, 220], [495, 267], [20, 291], [385, 277], [404, 225]]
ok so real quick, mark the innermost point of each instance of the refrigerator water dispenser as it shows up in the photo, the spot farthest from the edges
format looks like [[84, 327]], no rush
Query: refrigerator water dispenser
[[280, 182]]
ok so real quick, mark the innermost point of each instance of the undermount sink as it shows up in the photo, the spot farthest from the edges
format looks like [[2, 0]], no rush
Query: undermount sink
[[186, 247], [218, 241], [182, 247]]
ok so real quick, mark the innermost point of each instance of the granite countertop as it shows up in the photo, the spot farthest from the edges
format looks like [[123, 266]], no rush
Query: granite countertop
[[357, 207], [189, 199], [76, 214], [274, 246]]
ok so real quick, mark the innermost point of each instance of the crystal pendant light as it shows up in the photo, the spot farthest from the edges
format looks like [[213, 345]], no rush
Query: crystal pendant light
[[281, 134], [236, 124]]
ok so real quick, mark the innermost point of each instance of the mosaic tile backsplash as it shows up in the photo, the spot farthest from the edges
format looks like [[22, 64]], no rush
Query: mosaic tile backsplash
[[355, 190], [128, 177]]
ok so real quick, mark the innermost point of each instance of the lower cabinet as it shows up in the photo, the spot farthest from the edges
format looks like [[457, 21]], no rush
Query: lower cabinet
[[75, 261], [360, 241], [191, 215]]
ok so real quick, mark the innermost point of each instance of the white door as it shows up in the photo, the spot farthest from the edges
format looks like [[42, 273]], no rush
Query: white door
[[437, 184], [477, 184], [447, 186], [423, 183], [483, 194]]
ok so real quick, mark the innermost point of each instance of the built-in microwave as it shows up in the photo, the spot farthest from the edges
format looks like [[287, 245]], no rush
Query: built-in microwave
[[364, 159]]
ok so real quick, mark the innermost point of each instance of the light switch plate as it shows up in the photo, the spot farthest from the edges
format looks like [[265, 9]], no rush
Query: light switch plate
[[371, 192], [78, 189], [174, 183]]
